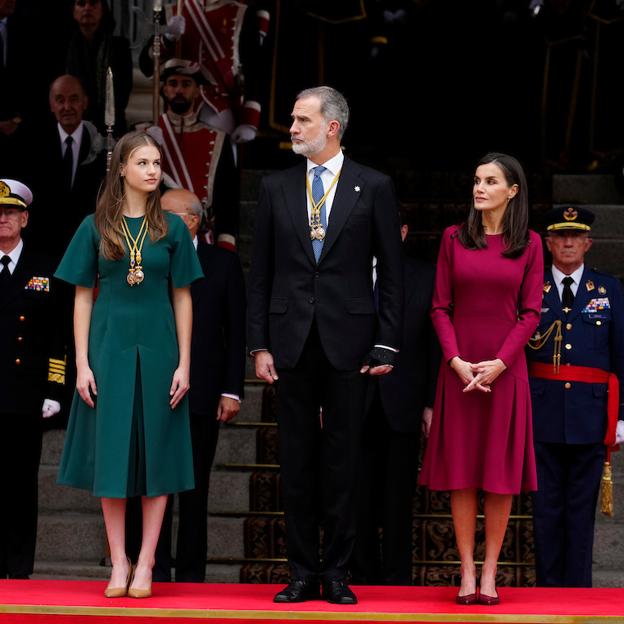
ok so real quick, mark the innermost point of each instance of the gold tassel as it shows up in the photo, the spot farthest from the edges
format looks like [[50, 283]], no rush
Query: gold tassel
[[606, 490]]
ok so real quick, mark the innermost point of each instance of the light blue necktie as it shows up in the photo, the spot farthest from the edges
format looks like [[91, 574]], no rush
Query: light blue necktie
[[317, 194]]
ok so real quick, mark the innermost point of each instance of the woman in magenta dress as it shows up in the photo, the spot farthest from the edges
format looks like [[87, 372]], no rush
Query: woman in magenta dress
[[486, 305]]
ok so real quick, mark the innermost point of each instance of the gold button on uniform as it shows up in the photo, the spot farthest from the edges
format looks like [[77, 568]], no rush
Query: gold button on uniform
[[568, 326], [18, 361], [22, 317], [598, 322], [19, 339], [567, 385], [568, 346]]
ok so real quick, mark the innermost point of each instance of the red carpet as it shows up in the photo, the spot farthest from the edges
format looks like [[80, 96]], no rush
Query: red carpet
[[82, 602]]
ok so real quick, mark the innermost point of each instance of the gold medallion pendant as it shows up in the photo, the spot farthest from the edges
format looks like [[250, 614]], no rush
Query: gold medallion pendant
[[135, 245]]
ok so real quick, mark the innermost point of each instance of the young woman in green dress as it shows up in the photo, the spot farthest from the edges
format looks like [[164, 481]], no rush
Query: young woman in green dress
[[128, 432]]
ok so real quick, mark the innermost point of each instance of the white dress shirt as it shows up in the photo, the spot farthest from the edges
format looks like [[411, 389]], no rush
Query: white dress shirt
[[14, 254], [332, 167], [76, 135], [559, 275]]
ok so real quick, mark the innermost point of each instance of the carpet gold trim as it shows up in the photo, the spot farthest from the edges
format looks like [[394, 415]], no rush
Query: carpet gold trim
[[273, 616]]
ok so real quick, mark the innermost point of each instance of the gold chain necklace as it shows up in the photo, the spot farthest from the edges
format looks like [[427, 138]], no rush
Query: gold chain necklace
[[135, 245], [317, 231]]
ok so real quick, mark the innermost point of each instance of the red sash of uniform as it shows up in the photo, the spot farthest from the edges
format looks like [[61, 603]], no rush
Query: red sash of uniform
[[179, 170], [586, 374], [217, 59]]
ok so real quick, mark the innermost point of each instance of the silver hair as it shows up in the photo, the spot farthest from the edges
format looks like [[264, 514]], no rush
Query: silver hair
[[196, 208], [334, 106]]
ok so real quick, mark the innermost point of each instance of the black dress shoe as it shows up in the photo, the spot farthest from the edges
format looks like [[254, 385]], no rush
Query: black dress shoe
[[338, 592], [299, 590]]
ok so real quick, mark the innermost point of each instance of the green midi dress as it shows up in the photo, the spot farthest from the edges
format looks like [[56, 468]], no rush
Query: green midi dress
[[132, 443]]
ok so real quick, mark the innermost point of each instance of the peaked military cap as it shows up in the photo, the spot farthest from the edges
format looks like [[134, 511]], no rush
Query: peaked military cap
[[569, 218], [14, 193], [185, 68]]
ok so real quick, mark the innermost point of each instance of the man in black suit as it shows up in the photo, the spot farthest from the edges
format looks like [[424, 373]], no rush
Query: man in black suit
[[312, 323], [399, 405], [217, 383], [32, 373], [73, 165]]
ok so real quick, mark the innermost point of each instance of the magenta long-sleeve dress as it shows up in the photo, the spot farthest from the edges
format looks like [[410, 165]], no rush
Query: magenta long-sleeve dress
[[485, 306]]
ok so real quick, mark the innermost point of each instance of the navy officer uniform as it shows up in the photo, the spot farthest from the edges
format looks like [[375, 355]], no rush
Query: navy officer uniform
[[577, 349], [32, 374]]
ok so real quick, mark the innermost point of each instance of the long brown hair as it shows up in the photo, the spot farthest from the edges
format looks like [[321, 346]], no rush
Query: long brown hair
[[516, 218], [109, 208]]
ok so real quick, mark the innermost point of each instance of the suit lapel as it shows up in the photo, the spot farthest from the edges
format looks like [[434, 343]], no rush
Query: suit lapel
[[551, 298], [295, 197], [85, 146], [343, 203]]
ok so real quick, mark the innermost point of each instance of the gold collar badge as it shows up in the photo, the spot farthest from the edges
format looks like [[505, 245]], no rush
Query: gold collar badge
[[547, 287]]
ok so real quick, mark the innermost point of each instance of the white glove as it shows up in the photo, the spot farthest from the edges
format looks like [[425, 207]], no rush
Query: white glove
[[221, 121], [176, 27], [156, 133], [244, 133], [619, 432], [50, 408]]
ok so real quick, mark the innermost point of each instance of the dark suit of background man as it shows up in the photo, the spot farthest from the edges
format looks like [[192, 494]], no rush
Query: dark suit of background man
[[571, 407], [217, 383], [32, 373], [399, 406], [72, 166], [312, 323]]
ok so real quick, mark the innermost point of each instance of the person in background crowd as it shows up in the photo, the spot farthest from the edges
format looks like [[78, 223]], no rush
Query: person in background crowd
[[217, 385], [92, 50], [400, 405], [197, 156], [66, 188], [32, 374], [234, 58], [486, 306], [128, 432], [576, 361], [312, 324]]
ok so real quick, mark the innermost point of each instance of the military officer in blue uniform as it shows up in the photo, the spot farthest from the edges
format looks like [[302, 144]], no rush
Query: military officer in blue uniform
[[576, 359], [32, 374]]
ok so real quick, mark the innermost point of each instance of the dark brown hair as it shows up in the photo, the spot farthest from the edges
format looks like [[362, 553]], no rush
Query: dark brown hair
[[109, 208], [516, 218]]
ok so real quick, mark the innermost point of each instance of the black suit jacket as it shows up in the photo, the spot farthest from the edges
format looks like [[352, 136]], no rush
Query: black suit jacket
[[288, 289], [31, 334], [56, 212], [218, 340], [411, 386]]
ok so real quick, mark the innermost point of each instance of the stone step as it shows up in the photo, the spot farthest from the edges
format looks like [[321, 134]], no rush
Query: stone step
[[226, 538], [586, 189], [229, 491], [235, 445], [70, 537], [251, 407], [608, 578], [89, 571]]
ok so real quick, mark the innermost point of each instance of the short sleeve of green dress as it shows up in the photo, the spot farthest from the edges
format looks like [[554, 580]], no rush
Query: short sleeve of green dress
[[132, 443]]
